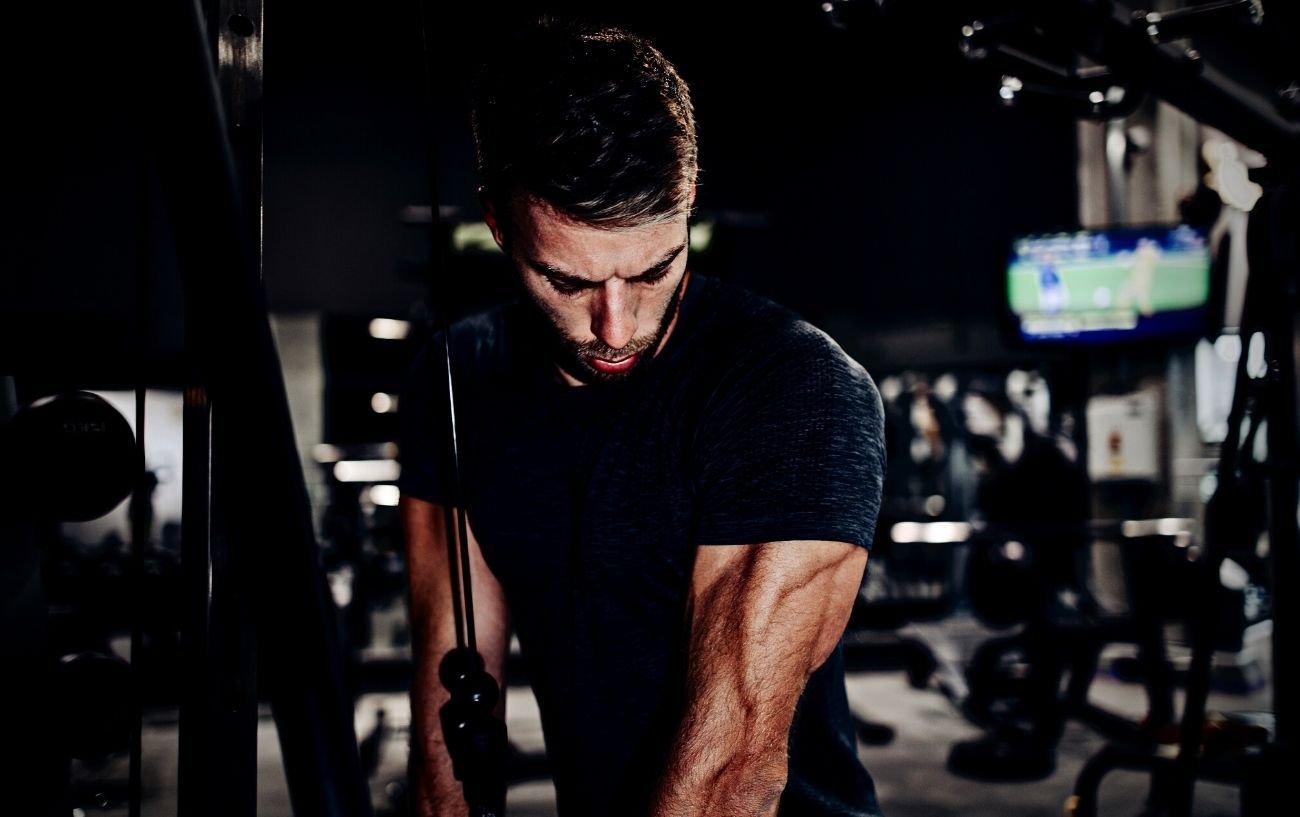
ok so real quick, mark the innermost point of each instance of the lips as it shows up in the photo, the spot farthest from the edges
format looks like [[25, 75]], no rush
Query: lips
[[614, 366]]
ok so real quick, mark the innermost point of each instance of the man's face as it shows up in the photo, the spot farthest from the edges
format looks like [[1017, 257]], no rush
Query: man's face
[[608, 294]]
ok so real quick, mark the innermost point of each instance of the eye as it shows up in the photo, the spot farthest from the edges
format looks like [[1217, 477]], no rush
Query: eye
[[656, 277], [563, 287]]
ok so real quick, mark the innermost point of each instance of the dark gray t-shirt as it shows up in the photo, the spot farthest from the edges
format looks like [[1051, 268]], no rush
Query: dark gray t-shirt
[[588, 502]]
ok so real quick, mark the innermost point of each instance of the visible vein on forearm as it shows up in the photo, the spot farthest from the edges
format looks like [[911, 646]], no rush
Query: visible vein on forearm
[[758, 631]]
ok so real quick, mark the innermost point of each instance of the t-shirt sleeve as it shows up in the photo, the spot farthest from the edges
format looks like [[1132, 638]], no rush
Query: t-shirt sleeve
[[424, 428], [791, 447]]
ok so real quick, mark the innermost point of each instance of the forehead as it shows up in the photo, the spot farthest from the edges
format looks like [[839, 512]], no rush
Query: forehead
[[544, 235]]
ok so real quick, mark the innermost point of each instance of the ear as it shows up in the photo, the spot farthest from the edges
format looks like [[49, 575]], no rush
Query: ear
[[492, 218]]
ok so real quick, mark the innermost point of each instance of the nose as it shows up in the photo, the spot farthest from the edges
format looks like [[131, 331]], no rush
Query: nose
[[613, 316]]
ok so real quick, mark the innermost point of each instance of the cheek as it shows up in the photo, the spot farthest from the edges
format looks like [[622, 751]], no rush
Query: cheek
[[564, 313], [663, 296]]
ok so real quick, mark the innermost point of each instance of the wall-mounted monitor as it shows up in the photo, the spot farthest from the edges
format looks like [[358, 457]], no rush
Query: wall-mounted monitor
[[1110, 286]]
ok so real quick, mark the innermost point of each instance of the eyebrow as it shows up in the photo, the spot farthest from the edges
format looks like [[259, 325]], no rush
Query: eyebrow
[[566, 278]]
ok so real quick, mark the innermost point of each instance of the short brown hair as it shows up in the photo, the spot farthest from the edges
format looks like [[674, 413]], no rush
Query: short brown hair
[[594, 122]]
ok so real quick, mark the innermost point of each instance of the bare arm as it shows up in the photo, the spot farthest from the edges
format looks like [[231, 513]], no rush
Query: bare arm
[[762, 619], [437, 792]]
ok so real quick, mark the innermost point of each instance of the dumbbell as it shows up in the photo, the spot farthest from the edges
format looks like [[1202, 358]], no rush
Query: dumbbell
[[71, 455], [95, 695]]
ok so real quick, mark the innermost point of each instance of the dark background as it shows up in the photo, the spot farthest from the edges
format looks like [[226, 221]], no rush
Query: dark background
[[878, 170], [867, 176]]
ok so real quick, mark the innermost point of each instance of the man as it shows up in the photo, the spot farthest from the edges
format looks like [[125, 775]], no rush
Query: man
[[670, 484]]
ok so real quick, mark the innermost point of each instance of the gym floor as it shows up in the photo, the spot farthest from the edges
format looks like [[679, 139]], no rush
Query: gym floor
[[909, 770]]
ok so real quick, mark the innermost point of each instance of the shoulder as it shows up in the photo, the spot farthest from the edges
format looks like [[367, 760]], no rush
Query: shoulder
[[761, 359], [790, 441], [759, 343], [737, 318]]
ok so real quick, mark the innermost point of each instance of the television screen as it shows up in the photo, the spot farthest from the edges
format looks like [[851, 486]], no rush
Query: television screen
[[1106, 286]]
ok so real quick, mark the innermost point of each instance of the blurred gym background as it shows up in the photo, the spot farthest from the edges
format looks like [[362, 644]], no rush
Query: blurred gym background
[[1039, 229]]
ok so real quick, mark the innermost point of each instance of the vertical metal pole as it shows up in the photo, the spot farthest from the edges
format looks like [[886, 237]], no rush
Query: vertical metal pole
[[218, 746], [196, 722], [238, 42], [250, 517], [218, 724], [139, 519], [140, 510], [1284, 478]]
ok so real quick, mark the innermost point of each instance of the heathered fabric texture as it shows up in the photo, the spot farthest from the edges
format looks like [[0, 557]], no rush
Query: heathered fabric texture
[[750, 426]]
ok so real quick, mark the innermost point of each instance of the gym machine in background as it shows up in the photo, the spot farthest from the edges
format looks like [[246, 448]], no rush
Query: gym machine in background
[[1100, 59], [258, 622], [68, 457]]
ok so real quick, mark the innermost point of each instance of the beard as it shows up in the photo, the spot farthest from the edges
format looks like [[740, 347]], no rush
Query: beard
[[574, 356]]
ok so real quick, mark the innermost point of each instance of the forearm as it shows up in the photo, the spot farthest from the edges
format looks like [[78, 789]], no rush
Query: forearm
[[729, 756], [729, 759], [762, 619], [437, 792]]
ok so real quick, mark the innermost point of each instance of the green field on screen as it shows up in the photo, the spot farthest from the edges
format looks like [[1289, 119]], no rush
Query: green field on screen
[[1180, 281]]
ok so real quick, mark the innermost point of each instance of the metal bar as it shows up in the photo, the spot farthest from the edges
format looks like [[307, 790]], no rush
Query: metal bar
[[195, 730], [479, 762], [139, 541], [462, 591], [240, 72], [462, 587], [1171, 25], [263, 557], [1283, 475], [140, 496], [1199, 90], [459, 608], [1201, 620], [238, 65]]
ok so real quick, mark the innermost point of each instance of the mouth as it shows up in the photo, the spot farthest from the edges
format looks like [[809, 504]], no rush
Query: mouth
[[613, 366]]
